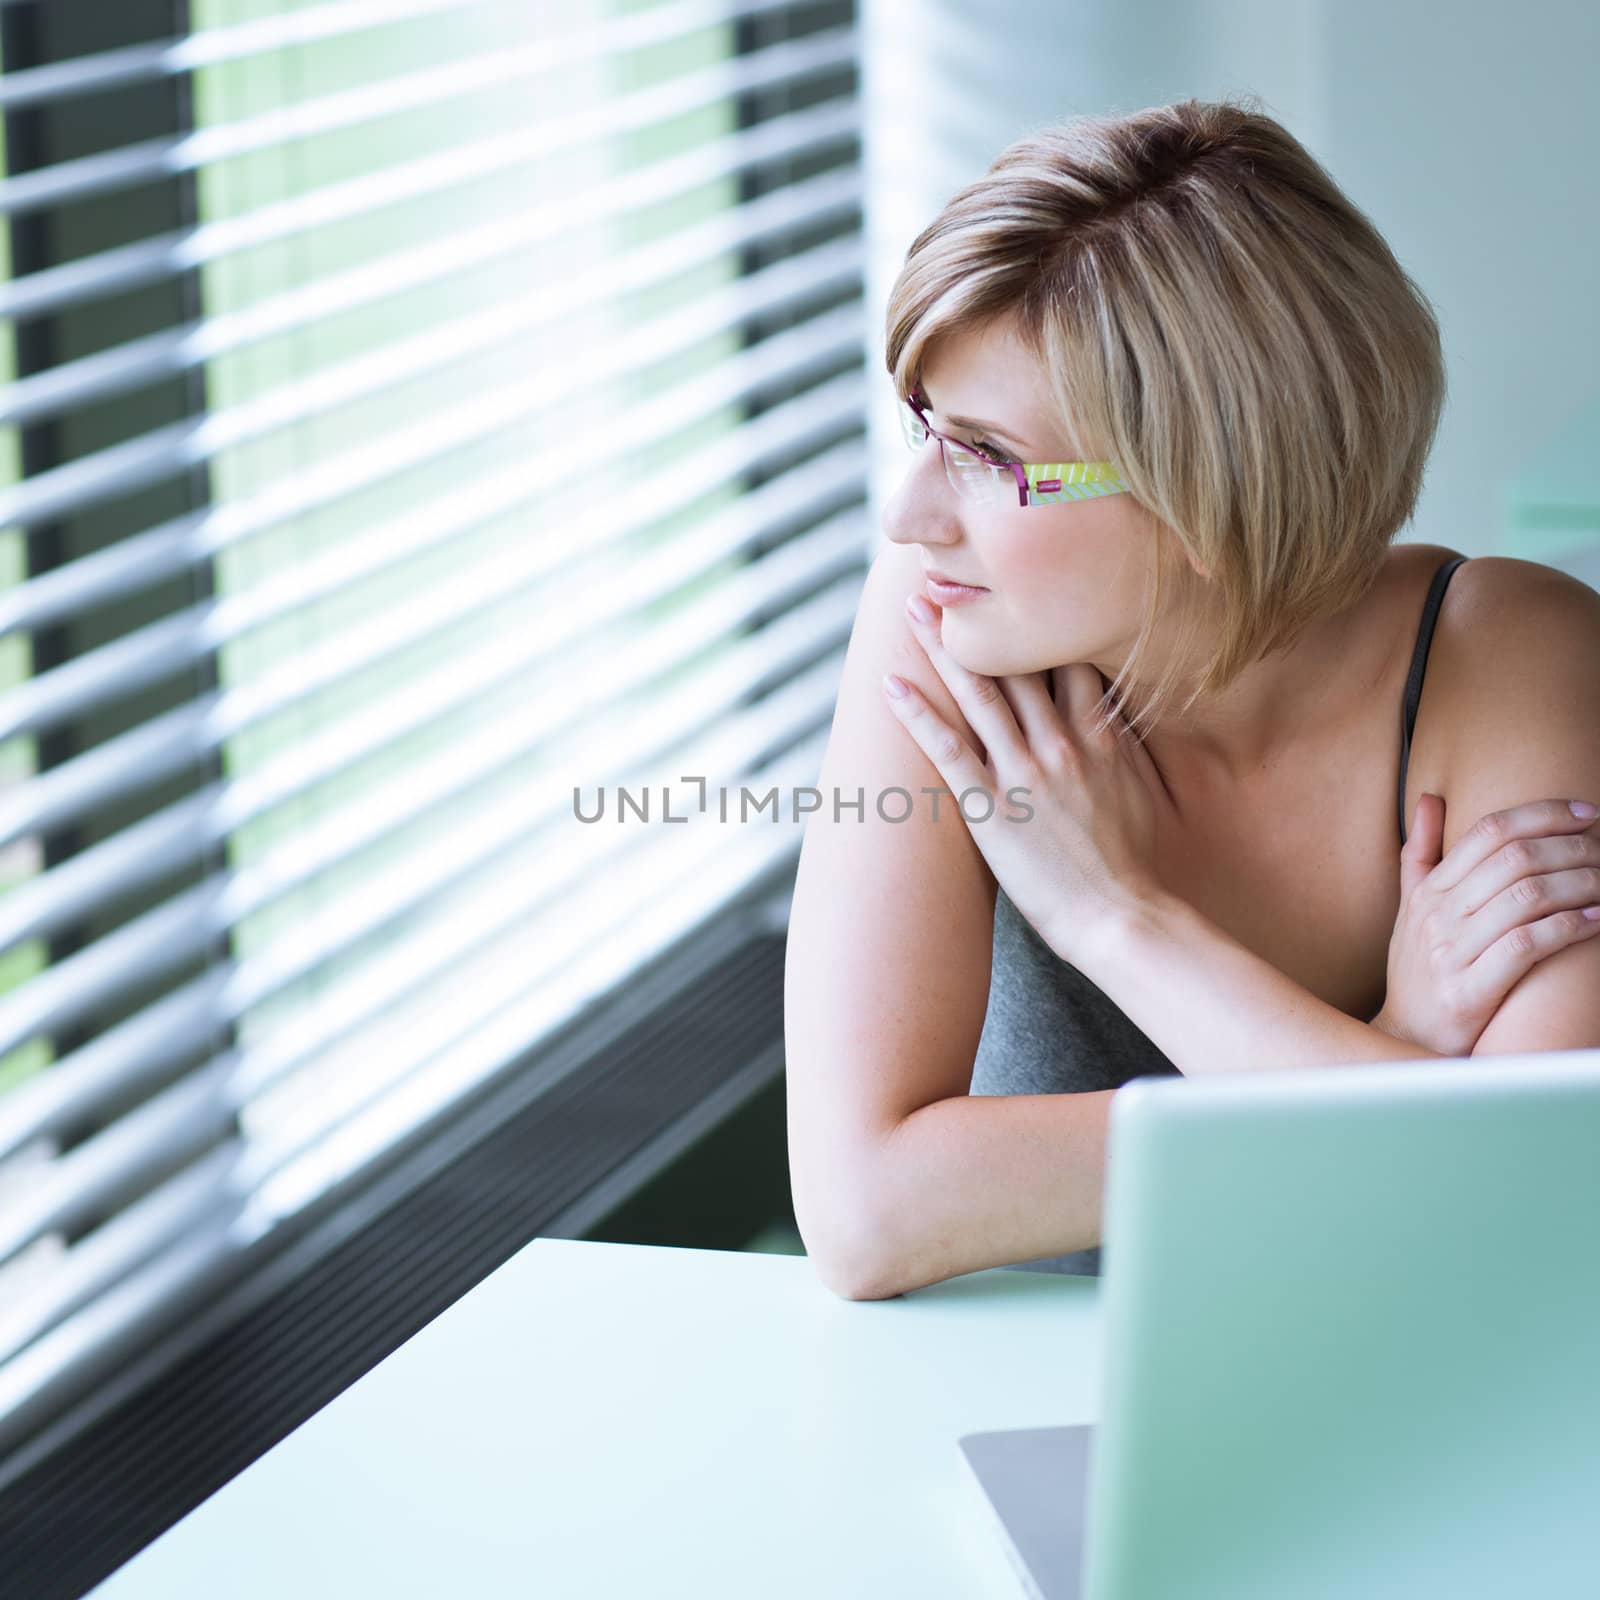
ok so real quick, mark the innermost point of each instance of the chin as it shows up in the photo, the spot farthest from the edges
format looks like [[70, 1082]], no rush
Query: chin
[[988, 663]]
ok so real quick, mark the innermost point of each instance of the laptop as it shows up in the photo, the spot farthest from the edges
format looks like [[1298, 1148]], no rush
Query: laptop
[[1351, 1344]]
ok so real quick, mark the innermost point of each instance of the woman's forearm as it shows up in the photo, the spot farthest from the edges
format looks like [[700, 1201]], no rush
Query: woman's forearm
[[1211, 1005], [979, 1181]]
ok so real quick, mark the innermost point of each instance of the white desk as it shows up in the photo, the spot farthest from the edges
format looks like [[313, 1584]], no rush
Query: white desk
[[627, 1420]]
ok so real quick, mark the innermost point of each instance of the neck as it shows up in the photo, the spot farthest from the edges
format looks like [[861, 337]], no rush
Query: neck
[[1269, 714]]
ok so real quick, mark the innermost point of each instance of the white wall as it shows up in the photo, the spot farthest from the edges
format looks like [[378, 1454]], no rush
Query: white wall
[[1466, 132]]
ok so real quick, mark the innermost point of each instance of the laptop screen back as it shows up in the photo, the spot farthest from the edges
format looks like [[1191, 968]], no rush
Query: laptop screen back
[[1352, 1334]]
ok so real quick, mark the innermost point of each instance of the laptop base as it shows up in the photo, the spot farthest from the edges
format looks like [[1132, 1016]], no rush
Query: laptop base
[[1035, 1482]]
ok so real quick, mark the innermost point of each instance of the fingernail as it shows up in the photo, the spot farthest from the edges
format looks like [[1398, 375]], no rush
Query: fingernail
[[1582, 808], [919, 608], [895, 686]]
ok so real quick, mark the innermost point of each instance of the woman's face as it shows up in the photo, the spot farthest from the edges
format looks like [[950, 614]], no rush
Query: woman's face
[[1065, 581]]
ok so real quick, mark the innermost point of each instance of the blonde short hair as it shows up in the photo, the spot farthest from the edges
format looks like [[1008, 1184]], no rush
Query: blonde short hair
[[1219, 320]]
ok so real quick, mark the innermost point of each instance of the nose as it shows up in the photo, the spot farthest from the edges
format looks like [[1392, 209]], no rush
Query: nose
[[922, 509]]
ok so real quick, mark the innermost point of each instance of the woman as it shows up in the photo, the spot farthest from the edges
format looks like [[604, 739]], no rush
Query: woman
[[1171, 396]]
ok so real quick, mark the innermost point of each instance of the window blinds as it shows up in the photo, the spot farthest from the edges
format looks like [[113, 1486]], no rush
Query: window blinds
[[451, 407]]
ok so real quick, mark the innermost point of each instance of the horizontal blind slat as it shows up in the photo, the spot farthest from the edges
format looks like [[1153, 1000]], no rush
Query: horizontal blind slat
[[633, 919], [135, 1236], [233, 1105], [786, 647], [96, 176], [132, 1053], [161, 649], [170, 839], [168, 58], [81, 1351], [164, 744], [168, 645], [55, 289], [157, 553], [183, 926], [399, 1050], [175, 351], [193, 1113], [179, 447], [178, 1125]]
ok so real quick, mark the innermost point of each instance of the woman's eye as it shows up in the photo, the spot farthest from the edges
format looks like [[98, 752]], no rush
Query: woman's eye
[[993, 450]]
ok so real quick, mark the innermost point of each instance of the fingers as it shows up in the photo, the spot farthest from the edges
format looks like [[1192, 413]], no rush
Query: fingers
[[1033, 701], [986, 708], [1500, 828], [1505, 961], [1531, 893], [1524, 880], [952, 757], [1424, 842], [1077, 688]]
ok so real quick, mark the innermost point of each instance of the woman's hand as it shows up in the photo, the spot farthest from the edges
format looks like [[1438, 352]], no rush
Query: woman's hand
[[1510, 893], [1076, 848]]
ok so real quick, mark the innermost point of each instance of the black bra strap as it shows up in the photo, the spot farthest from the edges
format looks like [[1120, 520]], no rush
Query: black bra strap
[[1419, 664]]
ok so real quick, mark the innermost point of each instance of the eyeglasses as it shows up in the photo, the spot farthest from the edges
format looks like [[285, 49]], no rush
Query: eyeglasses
[[975, 475]]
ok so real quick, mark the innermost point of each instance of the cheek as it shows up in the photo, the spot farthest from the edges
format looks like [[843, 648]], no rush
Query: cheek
[[1057, 549], [1044, 611], [1052, 577], [1089, 558], [1064, 586]]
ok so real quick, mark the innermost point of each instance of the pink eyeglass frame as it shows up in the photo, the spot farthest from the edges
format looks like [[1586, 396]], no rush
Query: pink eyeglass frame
[[1038, 483]]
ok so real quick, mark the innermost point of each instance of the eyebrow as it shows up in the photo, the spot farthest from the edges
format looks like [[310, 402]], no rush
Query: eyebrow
[[978, 425]]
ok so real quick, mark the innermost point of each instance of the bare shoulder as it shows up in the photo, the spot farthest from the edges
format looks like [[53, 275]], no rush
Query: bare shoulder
[[1509, 580], [1518, 697], [1510, 624]]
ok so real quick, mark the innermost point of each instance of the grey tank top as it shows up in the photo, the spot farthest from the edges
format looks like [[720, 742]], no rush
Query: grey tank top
[[1049, 1030]]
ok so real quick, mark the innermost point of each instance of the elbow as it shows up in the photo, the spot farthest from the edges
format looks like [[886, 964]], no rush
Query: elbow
[[837, 1207], [847, 1267], [856, 1288], [855, 1285]]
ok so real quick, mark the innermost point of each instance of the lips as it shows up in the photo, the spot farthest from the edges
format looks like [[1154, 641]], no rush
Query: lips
[[939, 577]]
